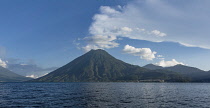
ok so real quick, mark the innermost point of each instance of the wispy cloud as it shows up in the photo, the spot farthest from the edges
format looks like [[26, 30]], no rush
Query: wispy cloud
[[158, 33], [154, 20], [113, 23]]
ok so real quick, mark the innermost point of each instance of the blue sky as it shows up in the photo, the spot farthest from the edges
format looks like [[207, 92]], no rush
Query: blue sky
[[51, 33]]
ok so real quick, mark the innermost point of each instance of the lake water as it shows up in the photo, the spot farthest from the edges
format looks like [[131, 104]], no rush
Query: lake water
[[105, 95]]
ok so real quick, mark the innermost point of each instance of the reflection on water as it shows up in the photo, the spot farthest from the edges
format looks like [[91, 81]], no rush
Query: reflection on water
[[147, 95]]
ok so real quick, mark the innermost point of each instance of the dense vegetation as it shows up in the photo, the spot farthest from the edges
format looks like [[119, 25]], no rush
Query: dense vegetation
[[99, 66], [194, 74]]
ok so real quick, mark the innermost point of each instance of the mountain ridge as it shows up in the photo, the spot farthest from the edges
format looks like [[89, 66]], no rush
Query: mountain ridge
[[152, 67], [100, 66], [9, 76], [195, 74]]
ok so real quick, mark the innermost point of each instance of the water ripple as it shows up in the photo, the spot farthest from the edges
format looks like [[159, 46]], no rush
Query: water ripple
[[105, 95]]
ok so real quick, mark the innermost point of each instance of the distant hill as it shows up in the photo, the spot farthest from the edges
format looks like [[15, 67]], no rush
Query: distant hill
[[8, 76], [99, 66], [29, 69], [193, 73], [152, 67]]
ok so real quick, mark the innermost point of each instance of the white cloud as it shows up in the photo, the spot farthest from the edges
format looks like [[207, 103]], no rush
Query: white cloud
[[23, 64], [3, 63], [32, 76], [140, 29], [89, 47], [155, 21], [158, 33], [126, 29], [164, 63], [111, 24], [144, 53], [120, 23], [35, 76], [108, 10], [159, 55], [100, 42]]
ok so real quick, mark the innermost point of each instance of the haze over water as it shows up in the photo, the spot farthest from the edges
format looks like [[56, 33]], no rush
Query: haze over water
[[82, 95]]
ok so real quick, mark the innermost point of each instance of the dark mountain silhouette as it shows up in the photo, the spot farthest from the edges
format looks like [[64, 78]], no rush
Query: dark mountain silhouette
[[8, 76], [98, 65], [193, 73]]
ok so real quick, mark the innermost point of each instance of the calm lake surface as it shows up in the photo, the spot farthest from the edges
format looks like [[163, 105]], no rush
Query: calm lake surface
[[105, 95]]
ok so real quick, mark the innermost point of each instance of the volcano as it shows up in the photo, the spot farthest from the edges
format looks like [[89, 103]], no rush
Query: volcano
[[100, 66]]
